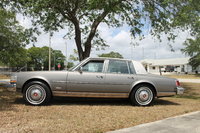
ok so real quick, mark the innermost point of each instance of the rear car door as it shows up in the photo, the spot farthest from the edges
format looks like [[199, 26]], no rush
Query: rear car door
[[120, 74]]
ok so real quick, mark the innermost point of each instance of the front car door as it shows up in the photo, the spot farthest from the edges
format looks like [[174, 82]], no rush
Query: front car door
[[89, 79], [120, 74]]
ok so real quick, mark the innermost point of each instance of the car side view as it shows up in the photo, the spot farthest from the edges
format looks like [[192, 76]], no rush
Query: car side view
[[96, 77]]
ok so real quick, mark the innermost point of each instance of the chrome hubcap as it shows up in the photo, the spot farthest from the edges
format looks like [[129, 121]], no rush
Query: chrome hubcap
[[35, 94], [144, 95]]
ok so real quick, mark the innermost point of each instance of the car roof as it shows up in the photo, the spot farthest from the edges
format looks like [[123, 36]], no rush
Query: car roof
[[107, 58]]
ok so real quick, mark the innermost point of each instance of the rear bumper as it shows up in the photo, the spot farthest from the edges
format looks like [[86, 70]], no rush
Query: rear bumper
[[179, 90]]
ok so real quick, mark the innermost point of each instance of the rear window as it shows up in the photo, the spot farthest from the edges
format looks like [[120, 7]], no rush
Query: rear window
[[119, 67]]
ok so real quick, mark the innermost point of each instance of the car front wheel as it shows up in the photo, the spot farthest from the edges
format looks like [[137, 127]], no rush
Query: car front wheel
[[142, 95], [36, 93]]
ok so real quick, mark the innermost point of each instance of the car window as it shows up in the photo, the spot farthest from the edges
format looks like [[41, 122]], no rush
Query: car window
[[116, 66], [131, 68], [93, 66]]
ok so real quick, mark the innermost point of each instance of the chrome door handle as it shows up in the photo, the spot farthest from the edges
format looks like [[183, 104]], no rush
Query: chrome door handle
[[99, 77], [130, 77]]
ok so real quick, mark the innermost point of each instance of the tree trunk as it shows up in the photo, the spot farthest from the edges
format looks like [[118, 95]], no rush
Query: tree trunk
[[87, 51], [78, 40]]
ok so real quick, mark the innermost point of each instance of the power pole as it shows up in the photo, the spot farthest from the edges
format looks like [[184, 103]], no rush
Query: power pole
[[143, 53], [65, 39], [50, 51]]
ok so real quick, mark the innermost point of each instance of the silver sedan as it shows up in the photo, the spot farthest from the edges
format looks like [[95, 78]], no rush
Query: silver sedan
[[96, 77]]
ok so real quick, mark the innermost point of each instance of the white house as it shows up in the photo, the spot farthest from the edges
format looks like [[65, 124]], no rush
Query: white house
[[179, 65]]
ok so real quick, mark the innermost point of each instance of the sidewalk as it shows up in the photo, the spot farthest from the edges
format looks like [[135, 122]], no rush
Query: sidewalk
[[188, 123]]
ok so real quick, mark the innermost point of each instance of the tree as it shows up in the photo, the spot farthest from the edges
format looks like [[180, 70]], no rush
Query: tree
[[112, 55], [13, 39], [74, 56], [193, 50], [58, 58], [82, 17], [188, 17], [39, 58]]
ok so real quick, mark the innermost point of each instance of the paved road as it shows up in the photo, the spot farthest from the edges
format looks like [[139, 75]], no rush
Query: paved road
[[188, 123], [190, 80]]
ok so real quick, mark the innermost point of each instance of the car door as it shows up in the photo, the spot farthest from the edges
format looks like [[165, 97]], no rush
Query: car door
[[89, 79], [119, 76]]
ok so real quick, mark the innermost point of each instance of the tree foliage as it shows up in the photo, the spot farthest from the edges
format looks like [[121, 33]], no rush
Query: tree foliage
[[39, 58], [193, 50], [111, 55], [74, 56], [13, 39], [189, 18], [82, 17]]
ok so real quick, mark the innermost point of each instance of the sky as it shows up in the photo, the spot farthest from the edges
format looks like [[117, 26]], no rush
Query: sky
[[119, 40]]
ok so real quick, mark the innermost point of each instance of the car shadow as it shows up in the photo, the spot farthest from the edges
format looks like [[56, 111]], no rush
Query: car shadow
[[160, 101], [89, 101], [95, 101], [102, 101], [86, 101]]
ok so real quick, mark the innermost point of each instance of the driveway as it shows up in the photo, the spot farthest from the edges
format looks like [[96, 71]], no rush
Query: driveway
[[188, 123]]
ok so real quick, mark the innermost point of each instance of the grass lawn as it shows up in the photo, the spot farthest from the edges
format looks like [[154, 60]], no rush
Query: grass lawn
[[85, 115]]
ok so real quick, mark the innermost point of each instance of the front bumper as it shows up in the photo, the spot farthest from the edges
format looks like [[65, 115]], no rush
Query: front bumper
[[179, 90]]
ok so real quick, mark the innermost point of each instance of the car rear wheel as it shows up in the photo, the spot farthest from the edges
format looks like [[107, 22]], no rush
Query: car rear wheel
[[36, 93], [142, 95]]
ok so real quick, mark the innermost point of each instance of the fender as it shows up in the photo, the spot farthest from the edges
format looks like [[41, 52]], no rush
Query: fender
[[36, 78], [141, 82]]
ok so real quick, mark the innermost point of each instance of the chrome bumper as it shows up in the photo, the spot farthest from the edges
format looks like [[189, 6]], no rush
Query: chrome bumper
[[179, 90]]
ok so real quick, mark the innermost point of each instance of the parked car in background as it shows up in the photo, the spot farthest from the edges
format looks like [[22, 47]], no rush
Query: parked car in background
[[96, 77]]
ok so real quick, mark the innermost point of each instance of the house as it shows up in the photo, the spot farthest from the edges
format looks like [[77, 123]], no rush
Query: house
[[179, 65]]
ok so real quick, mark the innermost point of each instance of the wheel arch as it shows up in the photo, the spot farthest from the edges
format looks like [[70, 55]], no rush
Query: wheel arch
[[144, 83], [36, 79]]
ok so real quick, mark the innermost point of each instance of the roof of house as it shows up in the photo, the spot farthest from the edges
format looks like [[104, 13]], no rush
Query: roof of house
[[164, 62]]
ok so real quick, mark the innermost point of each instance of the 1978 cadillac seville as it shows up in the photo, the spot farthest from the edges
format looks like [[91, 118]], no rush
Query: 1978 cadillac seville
[[96, 77]]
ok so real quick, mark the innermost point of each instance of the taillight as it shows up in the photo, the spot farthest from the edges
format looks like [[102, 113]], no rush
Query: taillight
[[177, 83]]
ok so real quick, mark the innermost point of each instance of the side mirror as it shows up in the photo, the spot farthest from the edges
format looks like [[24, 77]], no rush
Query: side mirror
[[80, 70]]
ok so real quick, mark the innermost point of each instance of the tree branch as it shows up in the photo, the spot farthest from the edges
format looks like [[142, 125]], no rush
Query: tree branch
[[76, 7], [94, 28]]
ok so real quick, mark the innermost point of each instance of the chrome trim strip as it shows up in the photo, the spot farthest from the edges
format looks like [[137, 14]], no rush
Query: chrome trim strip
[[97, 83], [161, 94], [90, 94], [59, 81]]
